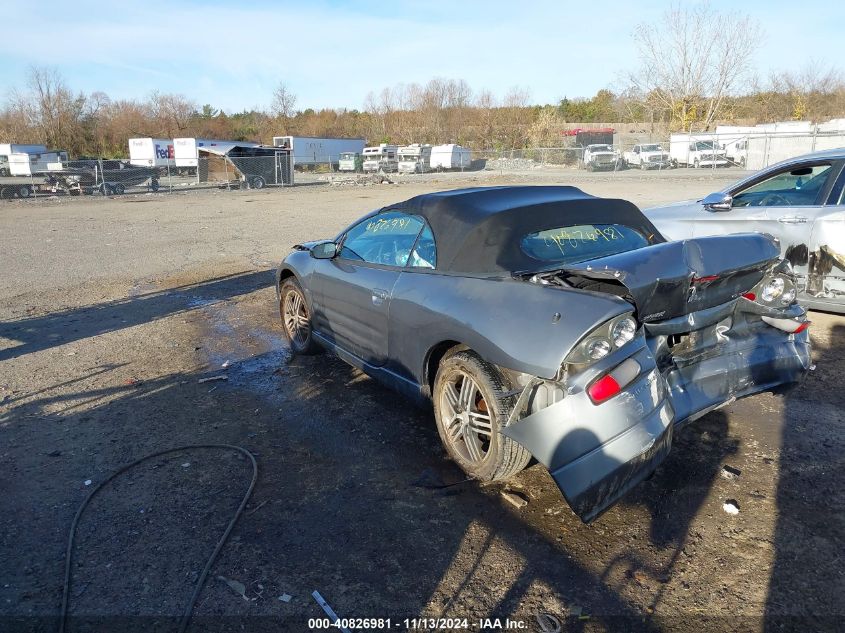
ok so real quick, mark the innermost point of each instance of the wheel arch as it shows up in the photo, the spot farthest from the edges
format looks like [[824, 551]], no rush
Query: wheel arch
[[432, 361], [284, 272]]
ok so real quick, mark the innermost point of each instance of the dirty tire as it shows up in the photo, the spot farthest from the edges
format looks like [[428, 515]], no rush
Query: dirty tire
[[154, 185], [503, 457], [25, 191], [292, 304], [257, 182], [119, 189]]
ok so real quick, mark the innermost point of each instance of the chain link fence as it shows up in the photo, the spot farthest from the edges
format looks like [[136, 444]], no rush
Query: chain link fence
[[115, 177]]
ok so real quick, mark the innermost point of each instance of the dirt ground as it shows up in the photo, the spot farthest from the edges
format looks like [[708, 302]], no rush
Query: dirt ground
[[113, 310]]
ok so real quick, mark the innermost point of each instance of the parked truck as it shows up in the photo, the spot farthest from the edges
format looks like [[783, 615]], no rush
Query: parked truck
[[697, 150], [381, 158], [600, 156], [450, 156], [648, 156], [152, 152], [8, 149], [350, 161], [414, 159], [310, 151]]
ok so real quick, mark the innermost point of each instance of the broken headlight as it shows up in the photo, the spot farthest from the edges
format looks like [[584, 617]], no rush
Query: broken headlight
[[603, 340]]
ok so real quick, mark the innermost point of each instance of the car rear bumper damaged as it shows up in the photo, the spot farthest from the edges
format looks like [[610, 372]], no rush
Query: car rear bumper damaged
[[597, 452]]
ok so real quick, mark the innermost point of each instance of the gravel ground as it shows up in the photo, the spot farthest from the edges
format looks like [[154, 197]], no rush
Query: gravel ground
[[113, 310]]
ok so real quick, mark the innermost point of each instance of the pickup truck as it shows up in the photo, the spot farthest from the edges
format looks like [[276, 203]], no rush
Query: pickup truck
[[600, 157], [648, 156]]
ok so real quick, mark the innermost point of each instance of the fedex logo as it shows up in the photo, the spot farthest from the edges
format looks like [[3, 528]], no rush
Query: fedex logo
[[166, 152]]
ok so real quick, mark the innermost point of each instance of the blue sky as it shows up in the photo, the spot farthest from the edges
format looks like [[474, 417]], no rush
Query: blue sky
[[332, 53]]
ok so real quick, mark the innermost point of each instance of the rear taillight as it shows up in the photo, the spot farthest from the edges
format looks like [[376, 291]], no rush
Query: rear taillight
[[614, 381], [606, 338], [603, 388]]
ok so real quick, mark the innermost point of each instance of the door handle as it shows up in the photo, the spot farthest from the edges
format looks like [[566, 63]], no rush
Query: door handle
[[792, 219], [379, 296]]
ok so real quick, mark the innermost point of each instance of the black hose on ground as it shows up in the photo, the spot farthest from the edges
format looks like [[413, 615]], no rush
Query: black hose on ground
[[186, 616]]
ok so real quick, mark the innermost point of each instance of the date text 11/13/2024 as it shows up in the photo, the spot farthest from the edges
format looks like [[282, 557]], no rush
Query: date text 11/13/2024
[[414, 624]]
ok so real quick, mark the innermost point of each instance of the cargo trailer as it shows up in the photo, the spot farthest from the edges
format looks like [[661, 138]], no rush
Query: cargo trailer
[[151, 152], [186, 151], [307, 150], [450, 156]]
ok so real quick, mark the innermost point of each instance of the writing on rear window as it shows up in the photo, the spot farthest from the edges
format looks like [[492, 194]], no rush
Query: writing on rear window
[[568, 244], [382, 224]]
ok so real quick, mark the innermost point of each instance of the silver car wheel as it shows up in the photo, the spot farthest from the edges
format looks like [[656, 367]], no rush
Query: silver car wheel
[[296, 319], [466, 417]]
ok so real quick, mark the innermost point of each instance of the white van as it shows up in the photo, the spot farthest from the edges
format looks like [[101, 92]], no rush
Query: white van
[[382, 157]]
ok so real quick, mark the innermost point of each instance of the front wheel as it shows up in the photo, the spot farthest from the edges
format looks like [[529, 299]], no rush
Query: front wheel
[[471, 406], [296, 317]]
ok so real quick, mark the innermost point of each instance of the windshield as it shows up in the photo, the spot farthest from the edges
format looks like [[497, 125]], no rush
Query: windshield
[[600, 148], [571, 244], [700, 145], [652, 148], [347, 156]]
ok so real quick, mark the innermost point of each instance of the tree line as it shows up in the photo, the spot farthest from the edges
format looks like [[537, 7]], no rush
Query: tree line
[[680, 83]]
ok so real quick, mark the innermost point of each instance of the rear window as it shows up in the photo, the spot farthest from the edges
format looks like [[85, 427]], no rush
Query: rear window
[[571, 244]]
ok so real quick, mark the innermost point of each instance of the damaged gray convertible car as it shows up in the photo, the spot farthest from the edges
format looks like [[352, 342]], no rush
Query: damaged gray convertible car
[[544, 321]]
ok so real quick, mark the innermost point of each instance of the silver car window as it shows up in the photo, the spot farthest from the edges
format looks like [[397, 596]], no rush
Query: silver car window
[[385, 238], [795, 186]]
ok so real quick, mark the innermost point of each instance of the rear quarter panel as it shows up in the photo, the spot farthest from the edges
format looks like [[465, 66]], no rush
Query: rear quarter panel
[[508, 322]]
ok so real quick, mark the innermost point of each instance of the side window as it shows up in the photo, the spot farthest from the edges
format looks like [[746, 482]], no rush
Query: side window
[[386, 238], [799, 186], [424, 254]]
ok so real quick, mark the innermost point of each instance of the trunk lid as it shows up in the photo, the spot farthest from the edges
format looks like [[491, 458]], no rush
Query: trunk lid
[[675, 278]]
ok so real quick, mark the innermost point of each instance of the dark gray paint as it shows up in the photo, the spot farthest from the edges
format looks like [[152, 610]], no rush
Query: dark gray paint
[[387, 322]]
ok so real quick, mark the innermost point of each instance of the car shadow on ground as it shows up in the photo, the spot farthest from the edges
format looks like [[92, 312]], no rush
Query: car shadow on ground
[[811, 502], [36, 333], [344, 505]]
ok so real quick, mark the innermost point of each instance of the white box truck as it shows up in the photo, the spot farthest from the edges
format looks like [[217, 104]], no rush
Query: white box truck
[[151, 152], [307, 150], [414, 159], [450, 156], [21, 164], [381, 158], [7, 149], [697, 150]]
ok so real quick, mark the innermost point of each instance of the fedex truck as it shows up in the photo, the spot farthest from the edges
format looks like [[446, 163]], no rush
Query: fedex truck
[[151, 152]]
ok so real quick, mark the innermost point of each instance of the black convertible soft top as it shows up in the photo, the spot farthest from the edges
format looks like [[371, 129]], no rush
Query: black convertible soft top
[[478, 230]]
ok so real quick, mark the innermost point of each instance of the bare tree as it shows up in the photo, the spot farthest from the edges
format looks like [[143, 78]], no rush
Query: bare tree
[[692, 59], [284, 101]]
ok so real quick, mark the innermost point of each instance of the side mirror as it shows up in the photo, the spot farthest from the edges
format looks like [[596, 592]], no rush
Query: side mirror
[[324, 250], [718, 202]]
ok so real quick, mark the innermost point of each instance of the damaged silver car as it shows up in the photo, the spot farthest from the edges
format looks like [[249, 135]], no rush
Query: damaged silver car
[[545, 322], [800, 201]]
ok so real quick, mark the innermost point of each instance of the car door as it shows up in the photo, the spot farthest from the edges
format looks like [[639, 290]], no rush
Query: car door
[[355, 287], [784, 203]]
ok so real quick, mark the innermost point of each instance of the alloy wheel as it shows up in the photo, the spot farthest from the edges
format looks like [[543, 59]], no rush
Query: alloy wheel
[[466, 417], [295, 317]]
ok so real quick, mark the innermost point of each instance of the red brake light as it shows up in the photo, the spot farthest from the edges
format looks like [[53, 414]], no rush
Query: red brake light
[[705, 279], [750, 296], [604, 388]]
